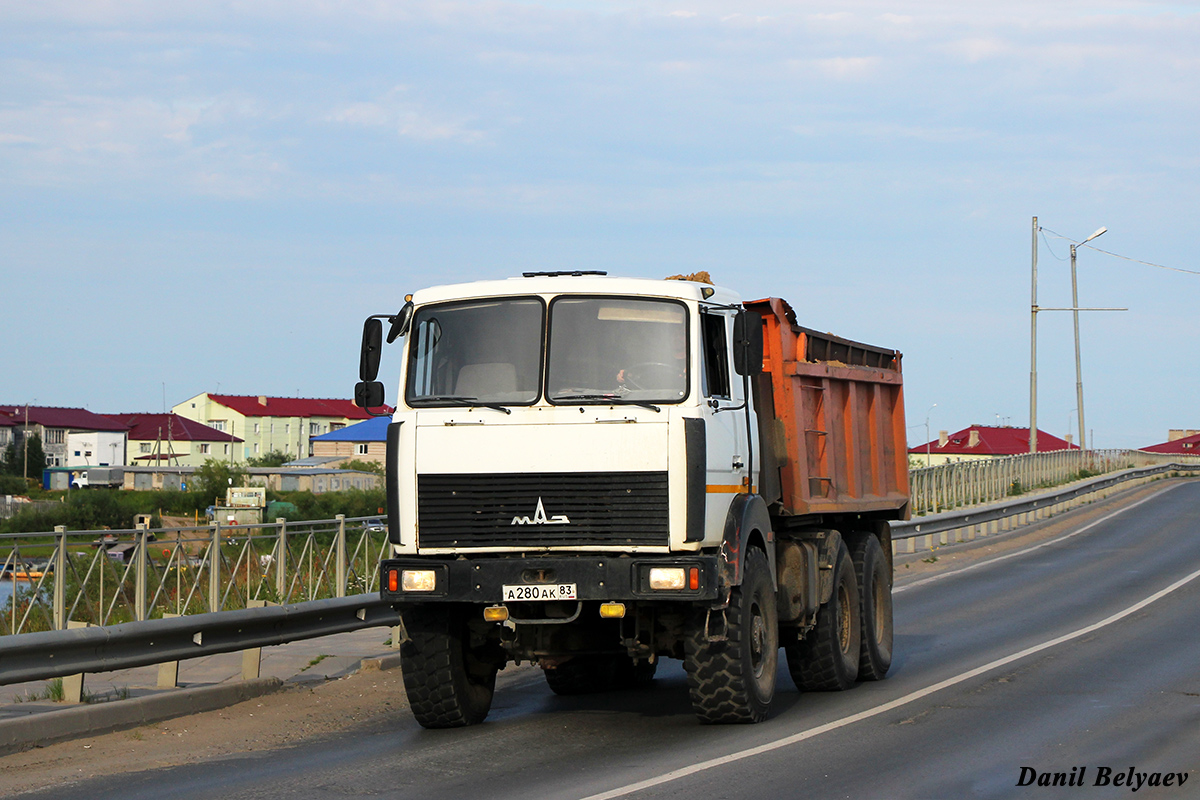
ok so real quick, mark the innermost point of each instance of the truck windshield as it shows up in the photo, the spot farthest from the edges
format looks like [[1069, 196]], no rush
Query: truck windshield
[[488, 352], [612, 350]]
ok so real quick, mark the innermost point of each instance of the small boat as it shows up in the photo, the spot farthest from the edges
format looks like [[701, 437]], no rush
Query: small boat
[[25, 574]]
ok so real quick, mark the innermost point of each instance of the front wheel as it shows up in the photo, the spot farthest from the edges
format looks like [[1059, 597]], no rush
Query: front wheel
[[734, 680], [449, 683]]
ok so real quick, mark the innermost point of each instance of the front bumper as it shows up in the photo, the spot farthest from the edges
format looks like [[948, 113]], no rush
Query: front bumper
[[597, 577]]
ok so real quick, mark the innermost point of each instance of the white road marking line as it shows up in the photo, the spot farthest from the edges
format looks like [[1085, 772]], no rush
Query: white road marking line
[[894, 704], [1006, 556]]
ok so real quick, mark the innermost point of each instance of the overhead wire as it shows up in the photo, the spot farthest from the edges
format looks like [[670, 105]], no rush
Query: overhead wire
[[1044, 231]]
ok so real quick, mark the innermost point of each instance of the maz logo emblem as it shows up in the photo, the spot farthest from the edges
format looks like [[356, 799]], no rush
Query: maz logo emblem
[[540, 518]]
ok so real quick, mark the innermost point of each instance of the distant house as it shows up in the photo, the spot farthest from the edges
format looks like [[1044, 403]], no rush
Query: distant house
[[172, 441], [71, 437], [364, 441], [1187, 445], [266, 424], [982, 441]]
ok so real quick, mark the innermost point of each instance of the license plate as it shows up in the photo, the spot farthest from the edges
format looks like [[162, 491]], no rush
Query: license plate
[[541, 591]]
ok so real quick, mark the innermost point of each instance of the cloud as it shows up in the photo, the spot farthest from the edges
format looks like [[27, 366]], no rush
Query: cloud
[[849, 68], [407, 118]]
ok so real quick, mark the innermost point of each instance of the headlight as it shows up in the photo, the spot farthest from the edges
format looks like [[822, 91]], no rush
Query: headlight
[[418, 580], [668, 578]]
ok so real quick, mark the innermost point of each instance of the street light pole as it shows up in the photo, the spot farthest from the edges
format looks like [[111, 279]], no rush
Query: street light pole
[[1078, 363], [1033, 309]]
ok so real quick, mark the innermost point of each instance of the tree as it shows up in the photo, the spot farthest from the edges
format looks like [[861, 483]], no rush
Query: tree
[[10, 462], [214, 477], [364, 466], [17, 455], [35, 458], [275, 458]]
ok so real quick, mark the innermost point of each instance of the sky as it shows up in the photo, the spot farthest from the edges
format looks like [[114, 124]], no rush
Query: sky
[[212, 196]]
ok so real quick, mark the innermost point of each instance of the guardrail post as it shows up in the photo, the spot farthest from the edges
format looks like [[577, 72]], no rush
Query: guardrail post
[[168, 671], [281, 561], [252, 657], [73, 684], [340, 591], [214, 569], [60, 578], [139, 600]]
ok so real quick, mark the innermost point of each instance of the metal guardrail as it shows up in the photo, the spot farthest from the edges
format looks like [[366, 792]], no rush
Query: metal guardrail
[[990, 480], [55, 654], [58, 653], [1027, 505], [111, 577]]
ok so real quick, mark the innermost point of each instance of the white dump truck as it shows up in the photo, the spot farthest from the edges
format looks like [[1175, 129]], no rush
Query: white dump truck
[[593, 473]]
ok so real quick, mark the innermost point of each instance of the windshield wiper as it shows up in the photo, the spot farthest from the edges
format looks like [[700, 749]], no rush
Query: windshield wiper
[[615, 399], [462, 400]]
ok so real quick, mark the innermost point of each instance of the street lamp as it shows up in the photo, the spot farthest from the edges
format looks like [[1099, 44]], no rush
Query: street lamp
[[928, 441], [1075, 313], [1034, 308]]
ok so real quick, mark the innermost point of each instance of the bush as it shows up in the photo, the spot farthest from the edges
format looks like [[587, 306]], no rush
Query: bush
[[352, 503], [13, 484]]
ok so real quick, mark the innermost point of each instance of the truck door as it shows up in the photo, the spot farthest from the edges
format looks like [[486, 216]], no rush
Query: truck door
[[725, 427]]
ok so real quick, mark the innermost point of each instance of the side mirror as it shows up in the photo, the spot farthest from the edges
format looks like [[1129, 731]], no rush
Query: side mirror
[[747, 343], [368, 394], [400, 322], [372, 349]]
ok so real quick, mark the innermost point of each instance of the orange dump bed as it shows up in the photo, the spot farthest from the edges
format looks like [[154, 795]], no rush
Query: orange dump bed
[[831, 419]]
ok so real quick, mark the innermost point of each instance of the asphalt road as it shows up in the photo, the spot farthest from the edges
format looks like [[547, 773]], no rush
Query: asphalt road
[[1083, 652]]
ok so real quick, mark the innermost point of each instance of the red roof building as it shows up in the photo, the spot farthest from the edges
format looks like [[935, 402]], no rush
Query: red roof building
[[983, 441], [265, 424], [1184, 446], [71, 437], [172, 440]]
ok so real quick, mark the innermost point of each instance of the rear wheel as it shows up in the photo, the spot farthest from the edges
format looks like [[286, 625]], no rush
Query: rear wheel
[[449, 683], [875, 597], [826, 660], [734, 680]]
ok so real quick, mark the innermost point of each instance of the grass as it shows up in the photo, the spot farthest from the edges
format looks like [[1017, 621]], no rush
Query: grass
[[54, 692], [317, 660]]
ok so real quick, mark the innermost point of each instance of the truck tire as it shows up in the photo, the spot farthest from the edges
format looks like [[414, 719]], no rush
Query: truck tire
[[875, 599], [733, 681], [448, 685], [826, 660], [591, 674]]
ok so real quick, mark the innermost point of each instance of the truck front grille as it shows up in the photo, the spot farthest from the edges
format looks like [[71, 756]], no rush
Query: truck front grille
[[543, 509]]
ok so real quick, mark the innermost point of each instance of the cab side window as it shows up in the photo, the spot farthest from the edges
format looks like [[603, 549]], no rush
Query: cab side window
[[716, 355]]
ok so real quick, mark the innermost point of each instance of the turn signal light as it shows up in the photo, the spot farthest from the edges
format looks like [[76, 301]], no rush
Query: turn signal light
[[418, 580], [668, 578], [694, 578], [612, 610], [393, 580]]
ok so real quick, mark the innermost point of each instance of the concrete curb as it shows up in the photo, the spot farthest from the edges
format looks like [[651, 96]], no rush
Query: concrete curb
[[390, 661], [69, 723]]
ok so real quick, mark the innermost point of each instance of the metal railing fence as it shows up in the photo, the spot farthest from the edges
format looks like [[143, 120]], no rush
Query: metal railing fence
[[111, 577], [962, 484]]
